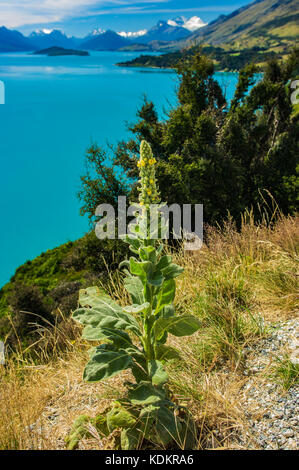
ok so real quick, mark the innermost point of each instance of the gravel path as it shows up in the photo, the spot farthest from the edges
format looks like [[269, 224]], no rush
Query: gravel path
[[272, 412]]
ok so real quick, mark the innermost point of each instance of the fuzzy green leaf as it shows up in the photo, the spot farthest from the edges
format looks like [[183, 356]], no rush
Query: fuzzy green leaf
[[148, 253], [168, 311], [155, 278], [124, 264], [131, 439], [165, 353], [135, 288], [93, 297], [101, 319], [119, 418], [166, 295], [104, 365], [137, 308], [168, 427], [119, 338], [139, 269], [184, 325], [157, 373], [102, 306], [164, 262], [100, 423], [104, 312], [145, 394], [172, 271]]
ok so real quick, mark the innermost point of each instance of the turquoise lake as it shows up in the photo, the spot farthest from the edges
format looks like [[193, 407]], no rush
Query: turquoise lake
[[55, 108]]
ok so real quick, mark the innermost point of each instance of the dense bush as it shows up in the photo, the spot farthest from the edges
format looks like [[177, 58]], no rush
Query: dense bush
[[227, 156]]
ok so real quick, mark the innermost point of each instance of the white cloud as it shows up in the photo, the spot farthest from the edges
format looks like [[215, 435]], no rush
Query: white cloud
[[14, 13]]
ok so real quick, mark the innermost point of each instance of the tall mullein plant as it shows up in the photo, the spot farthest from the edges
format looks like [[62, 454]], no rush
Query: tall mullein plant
[[135, 337]]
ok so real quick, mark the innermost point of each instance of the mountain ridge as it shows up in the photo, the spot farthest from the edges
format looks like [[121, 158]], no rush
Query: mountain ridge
[[164, 31], [253, 33], [266, 24], [13, 41]]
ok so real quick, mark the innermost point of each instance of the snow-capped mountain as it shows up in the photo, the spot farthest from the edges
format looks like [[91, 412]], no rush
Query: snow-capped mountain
[[170, 30], [131, 35], [97, 32], [41, 32], [162, 32], [192, 24], [100, 39]]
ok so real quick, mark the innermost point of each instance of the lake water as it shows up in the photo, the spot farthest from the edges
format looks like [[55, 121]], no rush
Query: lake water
[[55, 108]]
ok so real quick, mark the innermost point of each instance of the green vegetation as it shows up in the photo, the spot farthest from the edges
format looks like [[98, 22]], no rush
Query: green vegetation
[[223, 59], [147, 413], [286, 372], [240, 282], [230, 157], [170, 329]]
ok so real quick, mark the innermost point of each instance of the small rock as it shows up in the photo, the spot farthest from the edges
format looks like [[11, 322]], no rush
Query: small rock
[[288, 433]]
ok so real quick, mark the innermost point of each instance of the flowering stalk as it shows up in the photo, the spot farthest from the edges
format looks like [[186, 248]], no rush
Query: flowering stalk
[[148, 185], [135, 336]]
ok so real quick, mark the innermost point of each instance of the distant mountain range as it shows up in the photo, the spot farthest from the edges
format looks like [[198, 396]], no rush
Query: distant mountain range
[[106, 40], [51, 38], [271, 25], [253, 33], [165, 31]]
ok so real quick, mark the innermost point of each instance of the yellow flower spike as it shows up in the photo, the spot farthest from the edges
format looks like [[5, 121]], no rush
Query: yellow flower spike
[[148, 191]]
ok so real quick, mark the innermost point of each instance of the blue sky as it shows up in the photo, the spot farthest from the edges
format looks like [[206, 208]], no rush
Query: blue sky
[[79, 17]]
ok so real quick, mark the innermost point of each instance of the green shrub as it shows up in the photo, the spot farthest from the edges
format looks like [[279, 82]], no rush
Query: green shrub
[[208, 150]]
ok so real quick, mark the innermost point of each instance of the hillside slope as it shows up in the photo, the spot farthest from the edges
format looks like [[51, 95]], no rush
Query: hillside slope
[[266, 23], [235, 375]]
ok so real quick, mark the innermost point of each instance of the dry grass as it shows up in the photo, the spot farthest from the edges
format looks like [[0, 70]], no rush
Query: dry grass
[[38, 404], [238, 280]]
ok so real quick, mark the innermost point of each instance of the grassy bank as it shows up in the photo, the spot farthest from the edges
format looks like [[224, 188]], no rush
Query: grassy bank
[[239, 284]]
